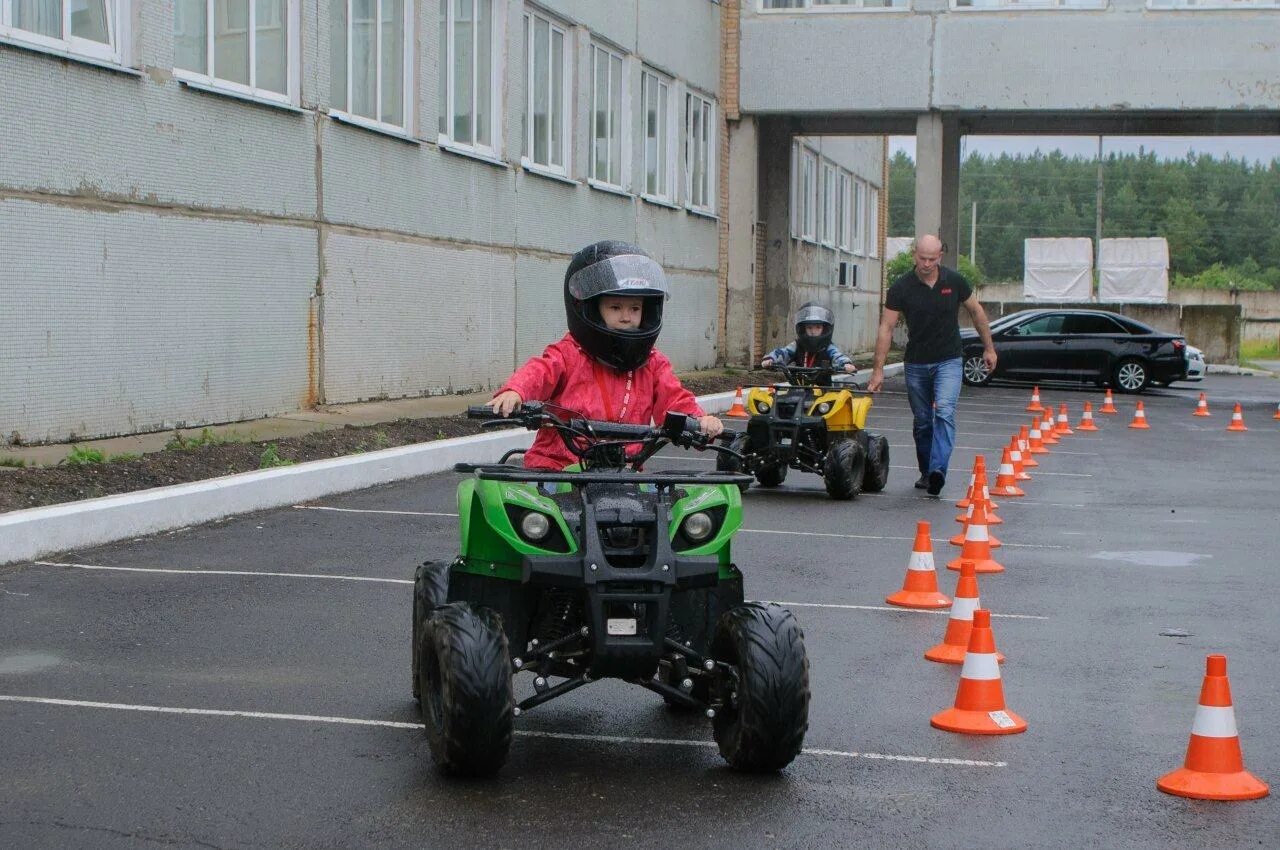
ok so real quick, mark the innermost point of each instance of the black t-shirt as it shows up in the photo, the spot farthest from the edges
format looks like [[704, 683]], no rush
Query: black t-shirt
[[933, 326]]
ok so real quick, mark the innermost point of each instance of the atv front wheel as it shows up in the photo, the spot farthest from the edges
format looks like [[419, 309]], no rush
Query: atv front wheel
[[430, 588], [876, 475], [761, 726], [467, 699], [771, 475], [729, 463], [843, 469]]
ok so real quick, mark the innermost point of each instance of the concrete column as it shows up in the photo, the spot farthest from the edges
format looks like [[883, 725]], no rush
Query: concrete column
[[742, 216], [774, 146], [938, 181]]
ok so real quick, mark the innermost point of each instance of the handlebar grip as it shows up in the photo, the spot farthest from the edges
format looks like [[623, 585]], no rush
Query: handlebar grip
[[481, 412]]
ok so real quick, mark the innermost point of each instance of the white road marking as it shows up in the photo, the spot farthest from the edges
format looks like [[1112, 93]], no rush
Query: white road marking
[[256, 573], [526, 733], [944, 612], [877, 537], [370, 511]]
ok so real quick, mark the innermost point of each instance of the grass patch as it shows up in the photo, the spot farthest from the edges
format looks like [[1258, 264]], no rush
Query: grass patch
[[206, 438], [13, 462], [271, 458], [81, 456], [1259, 350]]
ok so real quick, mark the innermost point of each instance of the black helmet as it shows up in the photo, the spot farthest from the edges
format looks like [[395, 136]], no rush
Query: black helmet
[[813, 313], [614, 268]]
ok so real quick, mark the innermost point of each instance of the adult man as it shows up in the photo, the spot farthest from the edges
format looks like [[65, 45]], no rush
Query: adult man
[[929, 297]]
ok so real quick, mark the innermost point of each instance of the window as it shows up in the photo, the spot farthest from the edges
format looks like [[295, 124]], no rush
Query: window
[[1029, 4], [90, 28], [842, 210], [607, 84], [245, 46], [828, 207], [547, 109], [1043, 326], [699, 155], [468, 75], [859, 218], [1087, 323], [806, 194], [372, 63], [834, 4], [659, 140], [873, 221], [1213, 4]]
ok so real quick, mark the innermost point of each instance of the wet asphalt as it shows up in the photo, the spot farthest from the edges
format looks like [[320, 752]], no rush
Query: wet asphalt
[[1133, 555]]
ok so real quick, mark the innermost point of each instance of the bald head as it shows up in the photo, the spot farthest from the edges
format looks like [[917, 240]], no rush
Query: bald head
[[928, 253]]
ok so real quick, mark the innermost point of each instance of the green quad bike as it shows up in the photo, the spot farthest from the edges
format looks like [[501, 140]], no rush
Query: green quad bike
[[813, 425], [602, 571]]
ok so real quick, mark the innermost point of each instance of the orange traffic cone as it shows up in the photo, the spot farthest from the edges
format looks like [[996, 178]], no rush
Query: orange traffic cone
[[1015, 455], [975, 495], [1202, 407], [1035, 406], [737, 409], [1277, 416], [955, 641], [1024, 446], [977, 544], [1036, 441], [1086, 419], [1006, 483], [1107, 406], [1139, 418], [1063, 428], [1047, 433], [920, 587], [1237, 420], [979, 707], [979, 465], [1214, 766]]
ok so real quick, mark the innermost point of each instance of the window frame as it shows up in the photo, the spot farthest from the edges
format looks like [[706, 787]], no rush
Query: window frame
[[859, 218], [827, 203], [844, 190], [805, 194], [1212, 6], [619, 120], [807, 7], [119, 18], [873, 221], [709, 114], [444, 136], [670, 143], [293, 57], [531, 16], [410, 61], [1034, 6]]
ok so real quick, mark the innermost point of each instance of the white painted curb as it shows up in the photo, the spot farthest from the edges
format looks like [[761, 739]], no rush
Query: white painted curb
[[36, 532]]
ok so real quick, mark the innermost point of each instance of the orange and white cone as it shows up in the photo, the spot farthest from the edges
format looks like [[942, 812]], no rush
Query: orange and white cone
[[1202, 406], [920, 587], [955, 640], [1024, 446], [980, 490], [1035, 442], [979, 707], [1214, 766], [1063, 428], [967, 517], [1237, 420], [1086, 419], [1035, 406], [1006, 483], [737, 409], [977, 544], [979, 465], [1047, 432], [1108, 406], [1277, 416], [1139, 418], [1015, 454]]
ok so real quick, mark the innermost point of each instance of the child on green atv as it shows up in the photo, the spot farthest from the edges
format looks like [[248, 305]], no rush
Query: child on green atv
[[606, 366], [813, 347]]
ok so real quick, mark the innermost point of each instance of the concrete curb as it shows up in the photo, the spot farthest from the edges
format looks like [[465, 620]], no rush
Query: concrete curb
[[33, 533]]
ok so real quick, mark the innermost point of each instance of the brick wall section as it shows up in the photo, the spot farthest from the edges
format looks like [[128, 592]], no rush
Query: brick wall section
[[729, 37]]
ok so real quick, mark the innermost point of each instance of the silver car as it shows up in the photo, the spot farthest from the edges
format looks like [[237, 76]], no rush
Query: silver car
[[1195, 364]]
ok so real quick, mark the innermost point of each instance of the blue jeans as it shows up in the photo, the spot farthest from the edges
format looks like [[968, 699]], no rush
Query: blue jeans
[[932, 391]]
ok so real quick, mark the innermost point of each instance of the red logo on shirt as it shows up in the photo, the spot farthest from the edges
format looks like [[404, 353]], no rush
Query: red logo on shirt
[[946, 292]]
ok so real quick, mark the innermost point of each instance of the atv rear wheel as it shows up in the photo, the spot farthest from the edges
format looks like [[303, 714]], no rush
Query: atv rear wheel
[[467, 699], [771, 475], [876, 474], [843, 469], [762, 724], [430, 588]]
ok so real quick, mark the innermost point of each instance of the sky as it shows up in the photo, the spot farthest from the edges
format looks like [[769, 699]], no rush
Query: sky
[[1263, 148]]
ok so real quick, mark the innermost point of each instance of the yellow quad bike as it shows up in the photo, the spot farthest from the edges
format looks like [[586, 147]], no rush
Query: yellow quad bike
[[811, 425]]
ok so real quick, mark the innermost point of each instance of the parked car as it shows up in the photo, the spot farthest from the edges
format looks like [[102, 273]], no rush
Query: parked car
[[1196, 366], [1093, 346]]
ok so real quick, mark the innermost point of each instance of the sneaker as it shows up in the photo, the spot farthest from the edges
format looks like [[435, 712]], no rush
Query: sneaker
[[936, 480], [923, 482]]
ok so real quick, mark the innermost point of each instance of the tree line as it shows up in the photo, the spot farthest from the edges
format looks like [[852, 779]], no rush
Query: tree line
[[1221, 217]]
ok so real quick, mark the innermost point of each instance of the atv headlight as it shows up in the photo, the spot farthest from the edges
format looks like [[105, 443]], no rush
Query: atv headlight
[[535, 526], [823, 409], [764, 407], [698, 526]]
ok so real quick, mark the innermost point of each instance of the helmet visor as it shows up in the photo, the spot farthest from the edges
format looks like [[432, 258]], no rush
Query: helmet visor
[[627, 274], [814, 313]]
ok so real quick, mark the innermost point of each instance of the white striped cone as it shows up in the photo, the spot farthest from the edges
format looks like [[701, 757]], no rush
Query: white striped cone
[[979, 706]]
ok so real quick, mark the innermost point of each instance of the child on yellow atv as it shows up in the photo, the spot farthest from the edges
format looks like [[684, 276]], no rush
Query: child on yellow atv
[[813, 347]]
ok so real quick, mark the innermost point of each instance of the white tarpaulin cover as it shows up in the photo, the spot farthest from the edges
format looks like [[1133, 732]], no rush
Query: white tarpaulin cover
[[895, 245], [1134, 270], [1057, 270]]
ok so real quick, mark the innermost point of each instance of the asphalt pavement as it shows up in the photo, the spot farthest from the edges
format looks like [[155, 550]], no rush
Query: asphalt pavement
[[246, 683]]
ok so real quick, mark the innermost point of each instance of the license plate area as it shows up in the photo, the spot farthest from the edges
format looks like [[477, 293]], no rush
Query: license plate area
[[621, 626]]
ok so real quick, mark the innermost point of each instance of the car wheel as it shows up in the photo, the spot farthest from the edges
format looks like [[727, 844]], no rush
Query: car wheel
[[1130, 376], [975, 371]]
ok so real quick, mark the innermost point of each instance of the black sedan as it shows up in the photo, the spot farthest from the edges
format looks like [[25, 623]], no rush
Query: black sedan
[[1076, 345]]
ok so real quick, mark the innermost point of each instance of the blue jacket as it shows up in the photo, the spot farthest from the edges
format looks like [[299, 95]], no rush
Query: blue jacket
[[787, 353]]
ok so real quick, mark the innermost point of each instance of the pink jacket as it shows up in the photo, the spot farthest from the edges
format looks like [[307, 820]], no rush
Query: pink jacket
[[566, 375]]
